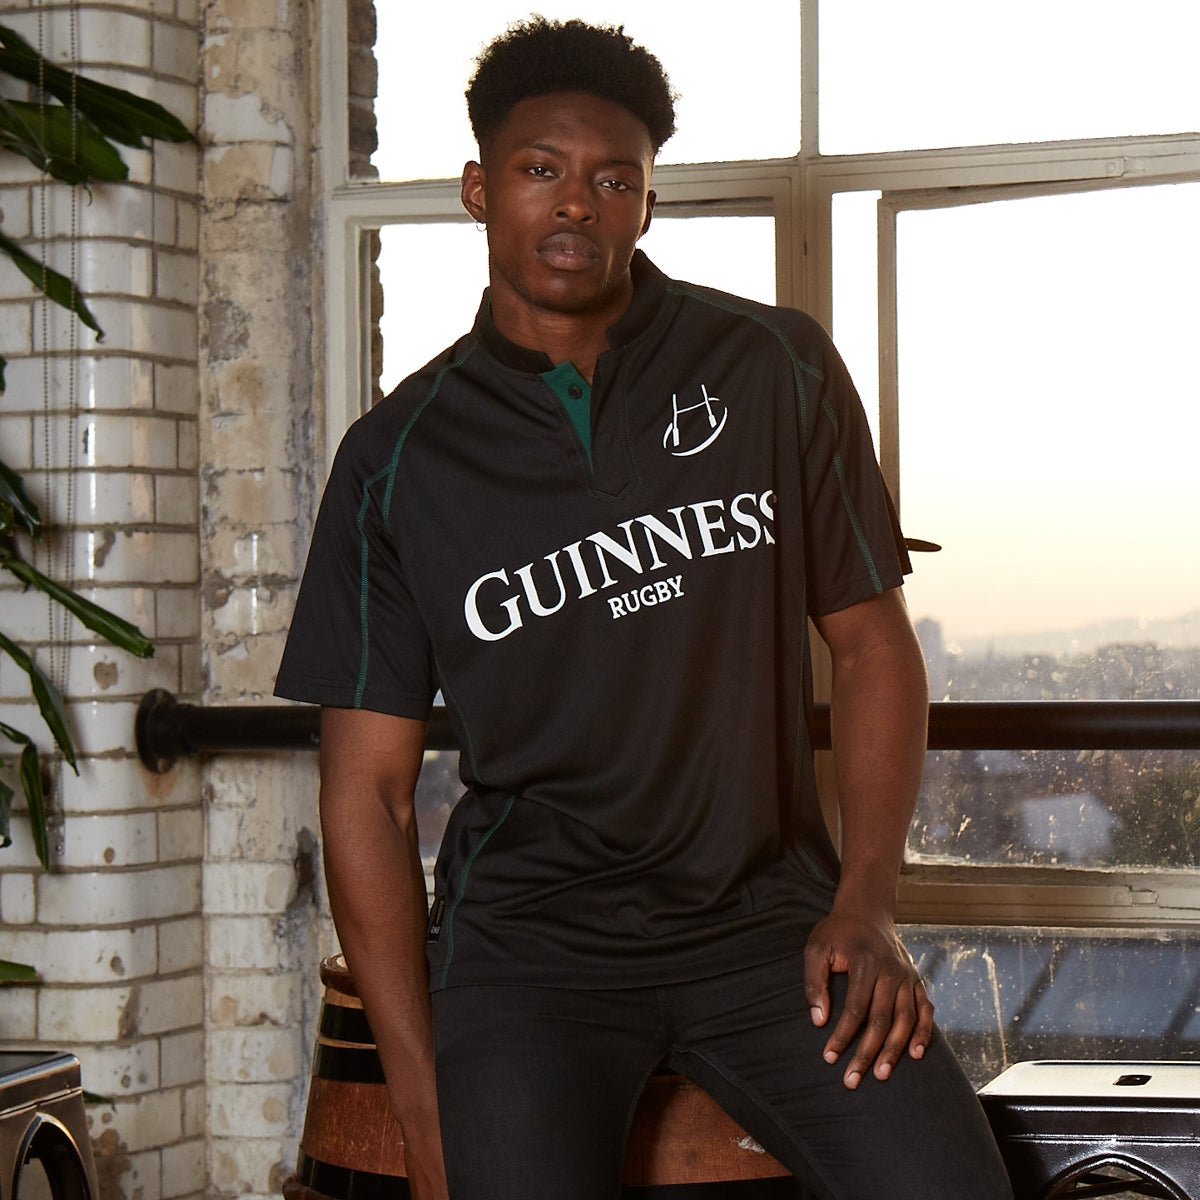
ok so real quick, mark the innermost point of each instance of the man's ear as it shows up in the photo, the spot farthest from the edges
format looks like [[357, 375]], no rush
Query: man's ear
[[473, 192], [651, 196]]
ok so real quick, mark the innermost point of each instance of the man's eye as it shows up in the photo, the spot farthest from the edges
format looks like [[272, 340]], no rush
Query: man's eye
[[541, 172], [617, 185]]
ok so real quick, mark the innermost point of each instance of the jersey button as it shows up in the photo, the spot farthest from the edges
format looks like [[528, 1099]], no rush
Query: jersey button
[[575, 391]]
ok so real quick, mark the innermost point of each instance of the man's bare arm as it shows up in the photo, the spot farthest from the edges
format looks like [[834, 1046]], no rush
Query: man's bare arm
[[879, 713], [369, 768]]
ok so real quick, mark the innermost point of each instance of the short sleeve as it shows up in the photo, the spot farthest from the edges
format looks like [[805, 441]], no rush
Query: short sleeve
[[356, 638], [855, 547]]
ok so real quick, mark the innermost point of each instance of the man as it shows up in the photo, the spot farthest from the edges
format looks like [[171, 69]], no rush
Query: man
[[599, 524]]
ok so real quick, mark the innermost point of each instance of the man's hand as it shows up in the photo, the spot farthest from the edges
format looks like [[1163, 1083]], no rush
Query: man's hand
[[886, 1003]]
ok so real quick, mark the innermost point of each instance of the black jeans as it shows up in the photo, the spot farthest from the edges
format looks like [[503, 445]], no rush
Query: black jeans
[[537, 1086]]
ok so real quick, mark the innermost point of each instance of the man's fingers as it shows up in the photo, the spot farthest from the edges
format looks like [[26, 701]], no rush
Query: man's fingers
[[923, 1031], [816, 986]]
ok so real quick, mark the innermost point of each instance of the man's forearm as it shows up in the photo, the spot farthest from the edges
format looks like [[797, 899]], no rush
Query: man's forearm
[[879, 715]]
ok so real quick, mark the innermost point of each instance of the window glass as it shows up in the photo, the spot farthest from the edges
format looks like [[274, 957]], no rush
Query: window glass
[[433, 275], [1049, 414], [739, 97], [1007, 995], [931, 73]]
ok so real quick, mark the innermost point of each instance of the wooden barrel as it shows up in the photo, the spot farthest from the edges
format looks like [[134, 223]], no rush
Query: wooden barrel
[[681, 1143]]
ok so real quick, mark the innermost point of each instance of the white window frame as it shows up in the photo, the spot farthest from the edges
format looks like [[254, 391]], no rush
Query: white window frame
[[799, 193]]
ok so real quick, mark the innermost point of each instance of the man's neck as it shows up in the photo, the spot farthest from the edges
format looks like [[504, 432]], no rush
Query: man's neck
[[578, 338]]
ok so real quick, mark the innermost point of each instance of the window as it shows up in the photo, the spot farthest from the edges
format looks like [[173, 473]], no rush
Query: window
[[991, 209]]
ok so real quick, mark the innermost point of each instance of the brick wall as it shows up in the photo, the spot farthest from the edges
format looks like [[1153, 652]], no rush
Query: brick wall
[[116, 928], [179, 931]]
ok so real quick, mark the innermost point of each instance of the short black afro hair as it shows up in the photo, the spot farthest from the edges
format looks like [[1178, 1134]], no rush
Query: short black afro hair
[[537, 57]]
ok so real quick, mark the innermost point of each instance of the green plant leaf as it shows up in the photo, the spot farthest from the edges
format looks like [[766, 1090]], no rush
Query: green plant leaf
[[12, 492], [6, 799], [58, 287], [50, 705], [30, 773], [14, 972], [3, 364], [67, 147], [122, 633], [116, 113]]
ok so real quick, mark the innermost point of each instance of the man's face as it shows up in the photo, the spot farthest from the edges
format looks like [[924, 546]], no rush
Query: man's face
[[565, 193]]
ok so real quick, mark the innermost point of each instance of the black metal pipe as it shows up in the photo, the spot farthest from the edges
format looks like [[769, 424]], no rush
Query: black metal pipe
[[166, 729]]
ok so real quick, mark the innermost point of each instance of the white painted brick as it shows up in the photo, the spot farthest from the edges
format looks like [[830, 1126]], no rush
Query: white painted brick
[[14, 203], [140, 163], [232, 119], [111, 266], [120, 1070], [182, 1168], [113, 37], [20, 852], [177, 165], [181, 1058], [105, 675], [118, 897], [83, 1015], [249, 1109], [256, 999], [114, 498], [192, 670], [102, 672], [105, 785], [119, 210], [130, 839], [176, 501], [176, 389], [102, 726], [91, 956], [249, 1168], [16, 319], [253, 610], [188, 11], [177, 277], [18, 1014], [26, 618], [195, 1110], [167, 1005], [176, 51], [180, 835], [141, 1176], [164, 208], [178, 613], [187, 225], [248, 887], [139, 1122], [16, 898], [189, 447], [132, 556], [255, 1055], [180, 944], [243, 942]]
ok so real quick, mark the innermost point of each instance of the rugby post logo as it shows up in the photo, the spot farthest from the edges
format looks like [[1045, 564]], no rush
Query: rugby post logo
[[694, 427]]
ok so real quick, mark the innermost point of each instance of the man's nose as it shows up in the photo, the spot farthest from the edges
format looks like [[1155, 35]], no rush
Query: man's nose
[[574, 201]]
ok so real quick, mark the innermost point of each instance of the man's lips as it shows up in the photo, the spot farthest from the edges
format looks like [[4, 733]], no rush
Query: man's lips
[[568, 251]]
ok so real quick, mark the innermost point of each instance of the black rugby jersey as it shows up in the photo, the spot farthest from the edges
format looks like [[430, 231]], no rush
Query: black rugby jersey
[[610, 585]]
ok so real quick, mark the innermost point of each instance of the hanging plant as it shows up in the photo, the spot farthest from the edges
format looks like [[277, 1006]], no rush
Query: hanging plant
[[69, 130]]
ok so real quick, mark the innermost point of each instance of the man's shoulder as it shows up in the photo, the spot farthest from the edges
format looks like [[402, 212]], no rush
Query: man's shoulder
[[792, 325], [374, 434]]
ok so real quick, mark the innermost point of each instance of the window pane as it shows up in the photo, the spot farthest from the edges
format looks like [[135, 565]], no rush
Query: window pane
[[747, 105], [433, 275], [1049, 415], [931, 73], [1006, 995]]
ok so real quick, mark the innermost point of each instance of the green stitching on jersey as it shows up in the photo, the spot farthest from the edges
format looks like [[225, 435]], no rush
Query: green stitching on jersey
[[364, 582], [798, 365], [462, 886], [560, 381]]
